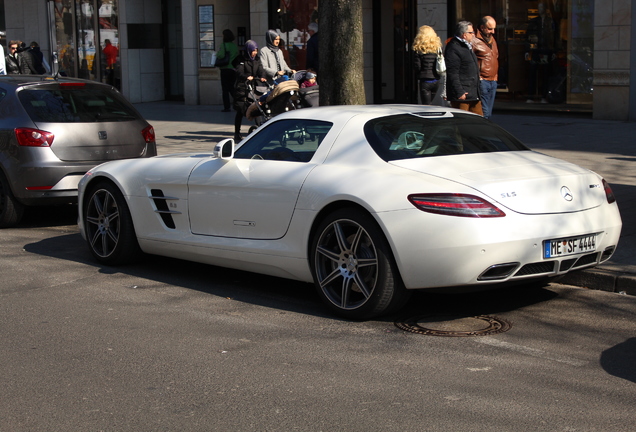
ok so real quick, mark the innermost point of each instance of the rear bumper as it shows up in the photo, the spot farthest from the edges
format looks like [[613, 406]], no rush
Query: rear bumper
[[472, 252], [37, 177]]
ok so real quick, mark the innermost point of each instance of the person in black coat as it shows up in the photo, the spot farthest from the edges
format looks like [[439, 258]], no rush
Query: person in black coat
[[462, 70], [425, 48], [12, 60], [248, 68]]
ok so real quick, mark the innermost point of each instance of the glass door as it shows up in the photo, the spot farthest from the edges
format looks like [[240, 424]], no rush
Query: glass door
[[85, 39]]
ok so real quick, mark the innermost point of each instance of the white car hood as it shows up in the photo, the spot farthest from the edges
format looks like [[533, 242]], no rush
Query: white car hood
[[525, 181]]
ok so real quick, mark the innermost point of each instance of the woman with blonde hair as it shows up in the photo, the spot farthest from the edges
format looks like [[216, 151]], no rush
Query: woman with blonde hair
[[426, 46]]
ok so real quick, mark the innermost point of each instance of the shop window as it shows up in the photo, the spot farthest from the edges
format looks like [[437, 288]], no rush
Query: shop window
[[291, 19], [545, 47]]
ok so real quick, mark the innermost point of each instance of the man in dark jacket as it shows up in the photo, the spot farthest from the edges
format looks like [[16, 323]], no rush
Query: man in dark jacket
[[12, 60], [462, 70], [312, 47]]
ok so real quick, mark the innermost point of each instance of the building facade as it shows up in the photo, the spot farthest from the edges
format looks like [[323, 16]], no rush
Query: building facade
[[567, 53]]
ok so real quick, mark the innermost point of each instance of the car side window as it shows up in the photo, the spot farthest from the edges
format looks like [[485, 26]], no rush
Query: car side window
[[293, 140]]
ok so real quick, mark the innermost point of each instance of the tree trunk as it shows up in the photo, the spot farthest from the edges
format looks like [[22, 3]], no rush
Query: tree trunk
[[341, 53]]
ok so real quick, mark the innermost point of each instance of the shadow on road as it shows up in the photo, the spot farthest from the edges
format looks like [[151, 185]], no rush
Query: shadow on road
[[49, 216], [620, 360], [276, 292]]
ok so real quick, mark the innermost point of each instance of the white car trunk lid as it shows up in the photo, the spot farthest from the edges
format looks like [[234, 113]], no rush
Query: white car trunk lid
[[525, 182]]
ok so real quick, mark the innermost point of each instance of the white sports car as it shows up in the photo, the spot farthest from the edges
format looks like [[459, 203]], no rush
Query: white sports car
[[368, 202]]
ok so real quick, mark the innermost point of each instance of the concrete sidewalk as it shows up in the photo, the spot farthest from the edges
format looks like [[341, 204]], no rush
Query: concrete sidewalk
[[606, 147]]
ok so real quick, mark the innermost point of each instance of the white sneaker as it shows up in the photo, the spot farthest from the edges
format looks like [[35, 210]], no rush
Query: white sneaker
[[529, 101], [543, 100]]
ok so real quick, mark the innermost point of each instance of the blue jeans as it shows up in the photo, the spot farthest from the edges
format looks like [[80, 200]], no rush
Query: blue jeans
[[488, 93]]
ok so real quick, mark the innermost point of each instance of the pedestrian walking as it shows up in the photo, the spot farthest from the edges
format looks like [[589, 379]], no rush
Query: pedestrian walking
[[272, 58], [12, 61], [228, 73], [247, 70], [462, 70], [313, 59], [485, 48], [427, 45]]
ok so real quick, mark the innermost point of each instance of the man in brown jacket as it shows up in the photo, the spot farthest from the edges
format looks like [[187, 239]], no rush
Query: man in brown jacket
[[485, 48]]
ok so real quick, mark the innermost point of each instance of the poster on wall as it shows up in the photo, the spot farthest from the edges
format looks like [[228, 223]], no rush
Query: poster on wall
[[207, 55]]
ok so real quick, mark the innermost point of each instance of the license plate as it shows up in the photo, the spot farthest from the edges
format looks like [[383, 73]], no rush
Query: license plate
[[569, 246]]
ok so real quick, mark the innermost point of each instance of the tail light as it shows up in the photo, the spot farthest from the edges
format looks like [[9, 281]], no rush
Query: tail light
[[148, 134], [609, 194], [463, 205], [33, 137]]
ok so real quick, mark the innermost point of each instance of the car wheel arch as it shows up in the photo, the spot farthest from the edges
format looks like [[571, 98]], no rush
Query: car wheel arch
[[338, 205]]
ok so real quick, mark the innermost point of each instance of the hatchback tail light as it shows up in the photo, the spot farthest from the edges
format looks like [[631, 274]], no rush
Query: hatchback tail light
[[608, 192], [33, 137], [463, 205], [148, 134]]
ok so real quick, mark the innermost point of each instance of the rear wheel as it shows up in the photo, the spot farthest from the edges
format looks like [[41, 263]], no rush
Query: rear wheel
[[11, 210], [109, 228], [353, 268]]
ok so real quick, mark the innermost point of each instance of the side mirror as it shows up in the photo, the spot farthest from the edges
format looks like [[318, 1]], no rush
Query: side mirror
[[224, 149]]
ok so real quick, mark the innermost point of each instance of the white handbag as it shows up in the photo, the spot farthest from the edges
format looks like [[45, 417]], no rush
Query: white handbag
[[440, 66]]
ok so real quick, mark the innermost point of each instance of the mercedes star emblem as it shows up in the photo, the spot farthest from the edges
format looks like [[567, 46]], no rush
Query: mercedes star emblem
[[566, 194]]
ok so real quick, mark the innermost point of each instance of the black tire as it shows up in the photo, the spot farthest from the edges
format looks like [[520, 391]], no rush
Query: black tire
[[353, 267], [11, 210], [252, 129], [110, 232]]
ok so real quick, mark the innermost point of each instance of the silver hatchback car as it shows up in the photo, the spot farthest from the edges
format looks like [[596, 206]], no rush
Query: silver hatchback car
[[54, 130]]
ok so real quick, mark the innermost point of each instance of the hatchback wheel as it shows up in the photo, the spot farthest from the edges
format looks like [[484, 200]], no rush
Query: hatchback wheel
[[11, 210], [353, 267], [109, 228]]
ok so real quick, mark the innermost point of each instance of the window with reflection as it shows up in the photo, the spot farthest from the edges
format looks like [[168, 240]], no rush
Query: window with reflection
[[288, 140]]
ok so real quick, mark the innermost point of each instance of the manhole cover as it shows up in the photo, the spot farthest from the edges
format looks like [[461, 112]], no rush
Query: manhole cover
[[454, 326]]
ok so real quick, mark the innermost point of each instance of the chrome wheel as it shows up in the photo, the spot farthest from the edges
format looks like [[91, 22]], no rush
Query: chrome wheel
[[353, 267], [108, 225], [346, 264], [102, 223]]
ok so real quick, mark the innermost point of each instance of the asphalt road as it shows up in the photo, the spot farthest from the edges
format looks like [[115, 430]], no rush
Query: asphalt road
[[166, 345]]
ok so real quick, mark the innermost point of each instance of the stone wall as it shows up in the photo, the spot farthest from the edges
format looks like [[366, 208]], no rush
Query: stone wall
[[613, 38]]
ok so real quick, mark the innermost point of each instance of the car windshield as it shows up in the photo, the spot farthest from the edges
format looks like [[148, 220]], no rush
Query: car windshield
[[75, 105], [408, 136]]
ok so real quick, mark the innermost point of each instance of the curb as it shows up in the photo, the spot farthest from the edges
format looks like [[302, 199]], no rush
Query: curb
[[602, 280]]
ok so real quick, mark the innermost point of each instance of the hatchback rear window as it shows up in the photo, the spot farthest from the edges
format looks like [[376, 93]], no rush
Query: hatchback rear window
[[75, 105], [408, 136]]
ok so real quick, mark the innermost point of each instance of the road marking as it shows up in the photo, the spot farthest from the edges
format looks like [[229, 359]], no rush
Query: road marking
[[487, 340]]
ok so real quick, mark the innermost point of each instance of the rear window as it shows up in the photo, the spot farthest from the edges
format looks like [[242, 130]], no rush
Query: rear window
[[408, 136], [75, 105]]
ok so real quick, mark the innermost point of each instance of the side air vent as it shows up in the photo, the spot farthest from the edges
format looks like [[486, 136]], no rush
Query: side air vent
[[161, 205], [536, 268]]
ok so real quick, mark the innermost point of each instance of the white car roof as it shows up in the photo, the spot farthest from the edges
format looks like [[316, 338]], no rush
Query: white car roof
[[330, 113]]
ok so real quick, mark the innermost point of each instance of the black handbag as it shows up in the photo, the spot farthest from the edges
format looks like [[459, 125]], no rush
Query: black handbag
[[225, 60]]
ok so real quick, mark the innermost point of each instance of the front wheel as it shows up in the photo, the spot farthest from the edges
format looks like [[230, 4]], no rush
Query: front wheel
[[109, 228], [353, 267]]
